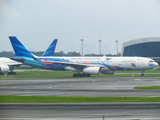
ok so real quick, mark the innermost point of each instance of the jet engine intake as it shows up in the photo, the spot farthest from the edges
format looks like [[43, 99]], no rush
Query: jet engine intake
[[4, 68]]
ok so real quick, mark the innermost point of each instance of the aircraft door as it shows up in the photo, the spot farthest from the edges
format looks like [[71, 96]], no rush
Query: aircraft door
[[138, 63], [142, 62]]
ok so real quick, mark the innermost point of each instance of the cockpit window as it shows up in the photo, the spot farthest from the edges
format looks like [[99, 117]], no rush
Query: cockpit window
[[151, 61]]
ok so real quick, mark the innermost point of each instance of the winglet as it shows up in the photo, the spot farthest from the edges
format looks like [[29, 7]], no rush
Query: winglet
[[51, 49], [19, 48]]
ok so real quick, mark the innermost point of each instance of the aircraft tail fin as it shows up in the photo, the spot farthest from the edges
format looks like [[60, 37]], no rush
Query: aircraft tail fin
[[19, 48], [51, 49]]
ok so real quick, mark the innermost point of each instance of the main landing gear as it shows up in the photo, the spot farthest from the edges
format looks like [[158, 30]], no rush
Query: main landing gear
[[11, 73], [81, 75]]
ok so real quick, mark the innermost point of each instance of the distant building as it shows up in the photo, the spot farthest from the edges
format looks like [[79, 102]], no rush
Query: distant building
[[144, 47]]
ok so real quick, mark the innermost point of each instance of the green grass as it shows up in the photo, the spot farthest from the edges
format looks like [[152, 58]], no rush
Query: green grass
[[38, 73], [147, 87], [30, 74], [146, 71], [76, 99]]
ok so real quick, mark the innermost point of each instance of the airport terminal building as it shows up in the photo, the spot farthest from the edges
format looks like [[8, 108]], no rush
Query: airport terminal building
[[144, 47]]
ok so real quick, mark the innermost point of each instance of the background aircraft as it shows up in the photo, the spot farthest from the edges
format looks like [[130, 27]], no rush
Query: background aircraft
[[7, 64], [85, 65]]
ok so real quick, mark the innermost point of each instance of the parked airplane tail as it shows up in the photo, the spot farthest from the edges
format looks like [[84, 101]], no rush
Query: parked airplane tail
[[19, 48], [51, 49]]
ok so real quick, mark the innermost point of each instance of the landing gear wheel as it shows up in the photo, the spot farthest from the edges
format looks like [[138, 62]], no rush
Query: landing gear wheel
[[83, 75], [88, 75], [11, 73], [79, 75], [74, 75]]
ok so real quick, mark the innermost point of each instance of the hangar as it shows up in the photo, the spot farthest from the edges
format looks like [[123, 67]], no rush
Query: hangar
[[144, 47]]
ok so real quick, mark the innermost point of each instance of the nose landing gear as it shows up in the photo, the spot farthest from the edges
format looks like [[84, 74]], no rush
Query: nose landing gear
[[142, 73]]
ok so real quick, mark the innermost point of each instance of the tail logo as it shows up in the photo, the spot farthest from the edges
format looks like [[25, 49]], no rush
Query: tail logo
[[133, 65], [107, 59]]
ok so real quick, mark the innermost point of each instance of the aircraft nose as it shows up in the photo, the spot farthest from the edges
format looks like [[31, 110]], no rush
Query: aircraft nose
[[156, 64]]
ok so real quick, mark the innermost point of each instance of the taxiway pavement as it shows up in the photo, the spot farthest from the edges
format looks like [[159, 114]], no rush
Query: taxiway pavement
[[80, 87]]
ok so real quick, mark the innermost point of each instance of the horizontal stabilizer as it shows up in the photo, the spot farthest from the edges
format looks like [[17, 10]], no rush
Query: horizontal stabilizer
[[18, 59]]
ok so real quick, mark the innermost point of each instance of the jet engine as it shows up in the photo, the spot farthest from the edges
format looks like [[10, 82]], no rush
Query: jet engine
[[107, 72], [4, 68], [91, 70]]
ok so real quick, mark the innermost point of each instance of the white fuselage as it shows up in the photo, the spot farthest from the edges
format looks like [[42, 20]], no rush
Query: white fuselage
[[132, 63], [105, 63]]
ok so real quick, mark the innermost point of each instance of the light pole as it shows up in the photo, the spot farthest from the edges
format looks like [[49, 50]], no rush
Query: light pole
[[117, 46], [100, 45], [82, 46]]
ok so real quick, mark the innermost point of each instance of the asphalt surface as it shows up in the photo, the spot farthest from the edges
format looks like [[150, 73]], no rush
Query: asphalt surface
[[80, 110], [80, 87]]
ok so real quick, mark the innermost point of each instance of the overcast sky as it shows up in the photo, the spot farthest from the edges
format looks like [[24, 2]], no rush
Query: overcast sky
[[37, 22]]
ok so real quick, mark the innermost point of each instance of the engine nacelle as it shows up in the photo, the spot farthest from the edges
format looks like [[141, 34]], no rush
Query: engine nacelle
[[91, 70], [4, 68], [107, 72]]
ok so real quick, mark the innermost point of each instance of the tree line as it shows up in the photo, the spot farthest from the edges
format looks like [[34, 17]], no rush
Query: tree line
[[61, 53]]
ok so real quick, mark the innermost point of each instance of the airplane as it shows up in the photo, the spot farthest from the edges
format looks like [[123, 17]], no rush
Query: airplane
[[84, 66], [7, 64]]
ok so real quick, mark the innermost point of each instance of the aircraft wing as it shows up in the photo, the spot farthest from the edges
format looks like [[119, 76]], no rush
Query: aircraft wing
[[71, 64], [14, 63]]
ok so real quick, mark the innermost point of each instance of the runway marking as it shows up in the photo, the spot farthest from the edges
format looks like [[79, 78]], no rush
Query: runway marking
[[9, 87]]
